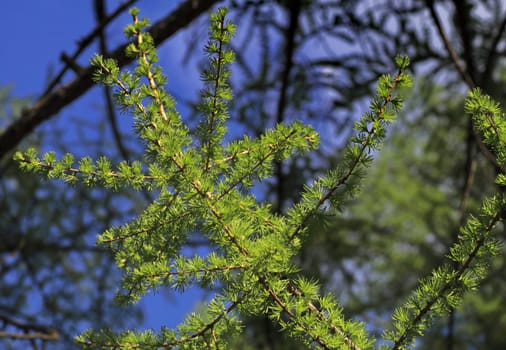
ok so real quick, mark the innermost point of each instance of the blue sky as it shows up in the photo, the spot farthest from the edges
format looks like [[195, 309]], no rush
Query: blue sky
[[38, 32], [45, 29]]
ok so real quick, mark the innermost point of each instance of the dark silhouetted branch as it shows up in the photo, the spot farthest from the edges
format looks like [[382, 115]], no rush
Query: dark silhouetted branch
[[446, 42], [28, 331]]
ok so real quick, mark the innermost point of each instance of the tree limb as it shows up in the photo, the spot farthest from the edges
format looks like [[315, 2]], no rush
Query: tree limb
[[466, 76], [462, 18], [28, 331], [294, 9]]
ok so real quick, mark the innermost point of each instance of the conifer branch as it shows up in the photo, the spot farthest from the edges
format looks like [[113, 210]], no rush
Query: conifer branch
[[269, 154], [378, 116], [443, 290], [216, 82], [448, 294], [198, 271], [149, 74], [131, 233], [297, 293], [210, 325], [164, 341], [143, 247], [201, 186], [88, 173]]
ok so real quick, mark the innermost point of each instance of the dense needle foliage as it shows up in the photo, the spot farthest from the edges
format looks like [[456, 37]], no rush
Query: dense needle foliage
[[204, 186]]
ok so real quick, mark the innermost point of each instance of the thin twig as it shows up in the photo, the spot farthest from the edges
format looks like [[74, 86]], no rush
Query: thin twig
[[466, 77]]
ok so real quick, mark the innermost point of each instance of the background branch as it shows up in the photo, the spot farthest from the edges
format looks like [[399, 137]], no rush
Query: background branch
[[446, 42], [28, 331]]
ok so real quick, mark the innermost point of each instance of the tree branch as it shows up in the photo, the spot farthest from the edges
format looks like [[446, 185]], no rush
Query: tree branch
[[29, 331], [464, 73], [294, 10], [446, 42], [463, 16], [100, 14], [49, 105]]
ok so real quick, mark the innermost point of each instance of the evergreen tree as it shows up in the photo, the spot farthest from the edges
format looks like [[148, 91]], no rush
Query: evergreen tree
[[204, 185]]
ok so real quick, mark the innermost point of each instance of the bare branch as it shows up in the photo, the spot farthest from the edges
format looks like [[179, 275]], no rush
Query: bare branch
[[464, 73], [28, 331], [463, 16], [446, 41], [294, 9]]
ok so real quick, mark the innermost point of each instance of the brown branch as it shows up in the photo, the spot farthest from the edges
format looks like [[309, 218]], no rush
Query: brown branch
[[446, 42], [470, 171], [29, 331], [464, 73], [462, 17], [470, 168], [294, 9], [14, 243], [49, 105], [71, 63]]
